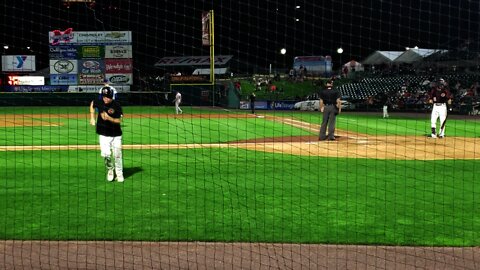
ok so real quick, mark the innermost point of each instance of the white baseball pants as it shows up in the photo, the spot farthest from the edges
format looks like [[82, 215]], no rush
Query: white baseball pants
[[439, 111], [107, 144], [177, 108], [385, 111]]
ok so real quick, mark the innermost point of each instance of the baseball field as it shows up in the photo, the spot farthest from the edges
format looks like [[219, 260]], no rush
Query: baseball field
[[229, 176]]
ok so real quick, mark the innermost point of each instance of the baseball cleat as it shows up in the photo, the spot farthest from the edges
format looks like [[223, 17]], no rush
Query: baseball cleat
[[433, 136], [441, 136], [110, 175], [120, 178]]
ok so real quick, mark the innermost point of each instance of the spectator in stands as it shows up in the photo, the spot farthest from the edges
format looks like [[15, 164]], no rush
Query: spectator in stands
[[273, 88], [301, 73], [456, 88], [238, 87], [369, 102], [291, 74], [475, 89], [470, 92], [344, 71]]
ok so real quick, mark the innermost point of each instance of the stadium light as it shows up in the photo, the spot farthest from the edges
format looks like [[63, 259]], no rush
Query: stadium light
[[297, 7], [340, 51], [283, 51], [5, 47]]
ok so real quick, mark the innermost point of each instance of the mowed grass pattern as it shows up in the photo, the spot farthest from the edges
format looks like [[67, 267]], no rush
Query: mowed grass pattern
[[232, 194]]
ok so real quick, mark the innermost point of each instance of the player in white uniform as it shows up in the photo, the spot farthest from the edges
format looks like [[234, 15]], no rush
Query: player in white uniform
[[177, 101], [441, 99]]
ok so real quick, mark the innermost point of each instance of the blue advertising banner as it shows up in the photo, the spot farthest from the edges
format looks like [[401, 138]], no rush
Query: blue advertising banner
[[269, 105], [63, 79], [36, 88], [261, 105], [282, 105], [62, 52]]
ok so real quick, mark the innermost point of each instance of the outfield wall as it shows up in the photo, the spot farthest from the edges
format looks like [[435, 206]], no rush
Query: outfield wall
[[75, 99], [191, 95]]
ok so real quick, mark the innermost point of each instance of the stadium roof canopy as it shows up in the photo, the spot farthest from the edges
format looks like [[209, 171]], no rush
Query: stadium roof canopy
[[381, 57], [415, 55]]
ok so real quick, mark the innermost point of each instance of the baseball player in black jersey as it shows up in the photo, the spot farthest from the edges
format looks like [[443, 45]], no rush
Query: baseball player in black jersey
[[441, 99], [110, 133], [330, 106]]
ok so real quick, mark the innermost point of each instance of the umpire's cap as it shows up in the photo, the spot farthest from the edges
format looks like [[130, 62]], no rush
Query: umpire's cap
[[107, 92]]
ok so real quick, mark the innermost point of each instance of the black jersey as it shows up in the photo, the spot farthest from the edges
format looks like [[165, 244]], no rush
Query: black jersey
[[252, 98], [440, 95], [329, 96], [107, 128]]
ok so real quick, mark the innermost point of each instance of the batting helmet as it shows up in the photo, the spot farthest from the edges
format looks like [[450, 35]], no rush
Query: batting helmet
[[107, 92], [442, 82]]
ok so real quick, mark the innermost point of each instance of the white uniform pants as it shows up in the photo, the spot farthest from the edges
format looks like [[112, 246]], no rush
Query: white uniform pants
[[439, 111], [385, 111], [177, 108], [107, 144]]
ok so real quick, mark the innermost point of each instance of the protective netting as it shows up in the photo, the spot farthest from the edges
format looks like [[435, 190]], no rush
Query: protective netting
[[232, 171]]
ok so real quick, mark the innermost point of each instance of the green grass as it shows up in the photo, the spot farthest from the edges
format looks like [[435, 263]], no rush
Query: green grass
[[231, 194], [148, 130], [376, 125], [239, 195], [287, 90]]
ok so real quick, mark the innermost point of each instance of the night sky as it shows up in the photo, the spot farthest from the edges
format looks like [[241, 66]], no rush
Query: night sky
[[251, 30]]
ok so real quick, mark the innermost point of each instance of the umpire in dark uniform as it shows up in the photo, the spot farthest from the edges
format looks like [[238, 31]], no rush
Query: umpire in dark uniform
[[252, 98], [330, 106]]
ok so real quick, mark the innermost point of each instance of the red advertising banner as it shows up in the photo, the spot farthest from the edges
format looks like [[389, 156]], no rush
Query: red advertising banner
[[118, 66]]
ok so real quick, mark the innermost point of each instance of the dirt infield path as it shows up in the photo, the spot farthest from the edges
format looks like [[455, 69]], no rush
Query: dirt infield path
[[200, 255], [357, 145], [378, 147]]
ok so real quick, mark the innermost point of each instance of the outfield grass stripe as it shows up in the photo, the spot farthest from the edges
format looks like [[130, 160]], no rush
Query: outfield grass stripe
[[127, 146]]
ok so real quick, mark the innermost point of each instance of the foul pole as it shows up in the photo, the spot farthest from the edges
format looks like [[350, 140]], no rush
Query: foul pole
[[211, 43]]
